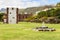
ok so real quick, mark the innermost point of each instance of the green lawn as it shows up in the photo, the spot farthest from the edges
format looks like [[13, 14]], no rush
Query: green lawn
[[23, 31]]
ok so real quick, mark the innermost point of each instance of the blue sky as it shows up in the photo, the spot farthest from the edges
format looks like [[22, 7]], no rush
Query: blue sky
[[26, 3]]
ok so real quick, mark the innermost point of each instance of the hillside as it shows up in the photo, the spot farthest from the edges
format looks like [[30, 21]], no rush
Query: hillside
[[30, 9], [34, 9]]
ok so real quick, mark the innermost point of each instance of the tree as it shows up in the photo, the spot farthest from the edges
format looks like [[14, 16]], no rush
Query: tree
[[58, 4], [51, 12], [1, 15], [57, 12], [42, 14]]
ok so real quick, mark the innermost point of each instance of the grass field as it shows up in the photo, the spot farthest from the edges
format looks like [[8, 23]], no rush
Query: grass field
[[23, 31]]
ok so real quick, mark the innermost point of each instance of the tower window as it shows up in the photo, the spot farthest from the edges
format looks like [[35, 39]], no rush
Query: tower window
[[13, 17], [12, 8], [10, 12]]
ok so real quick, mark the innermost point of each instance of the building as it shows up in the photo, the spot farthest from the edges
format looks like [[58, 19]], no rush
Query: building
[[11, 16], [21, 17]]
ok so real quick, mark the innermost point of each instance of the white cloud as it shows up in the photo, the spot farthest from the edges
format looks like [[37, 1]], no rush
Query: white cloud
[[31, 4], [23, 3], [18, 3]]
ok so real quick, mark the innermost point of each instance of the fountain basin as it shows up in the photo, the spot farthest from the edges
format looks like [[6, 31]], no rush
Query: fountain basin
[[45, 29]]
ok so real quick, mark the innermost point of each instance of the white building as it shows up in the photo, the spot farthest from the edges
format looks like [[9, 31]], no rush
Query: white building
[[12, 15]]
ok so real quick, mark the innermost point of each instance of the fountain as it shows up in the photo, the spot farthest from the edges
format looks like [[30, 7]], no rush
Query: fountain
[[43, 24], [44, 28]]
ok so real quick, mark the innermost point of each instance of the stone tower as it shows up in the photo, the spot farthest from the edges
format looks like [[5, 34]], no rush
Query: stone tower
[[12, 15]]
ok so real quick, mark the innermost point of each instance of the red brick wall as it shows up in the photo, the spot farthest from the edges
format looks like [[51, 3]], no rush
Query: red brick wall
[[24, 16], [21, 17]]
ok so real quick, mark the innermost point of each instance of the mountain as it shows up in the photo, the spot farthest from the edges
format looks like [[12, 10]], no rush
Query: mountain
[[35, 9], [30, 9], [3, 10]]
